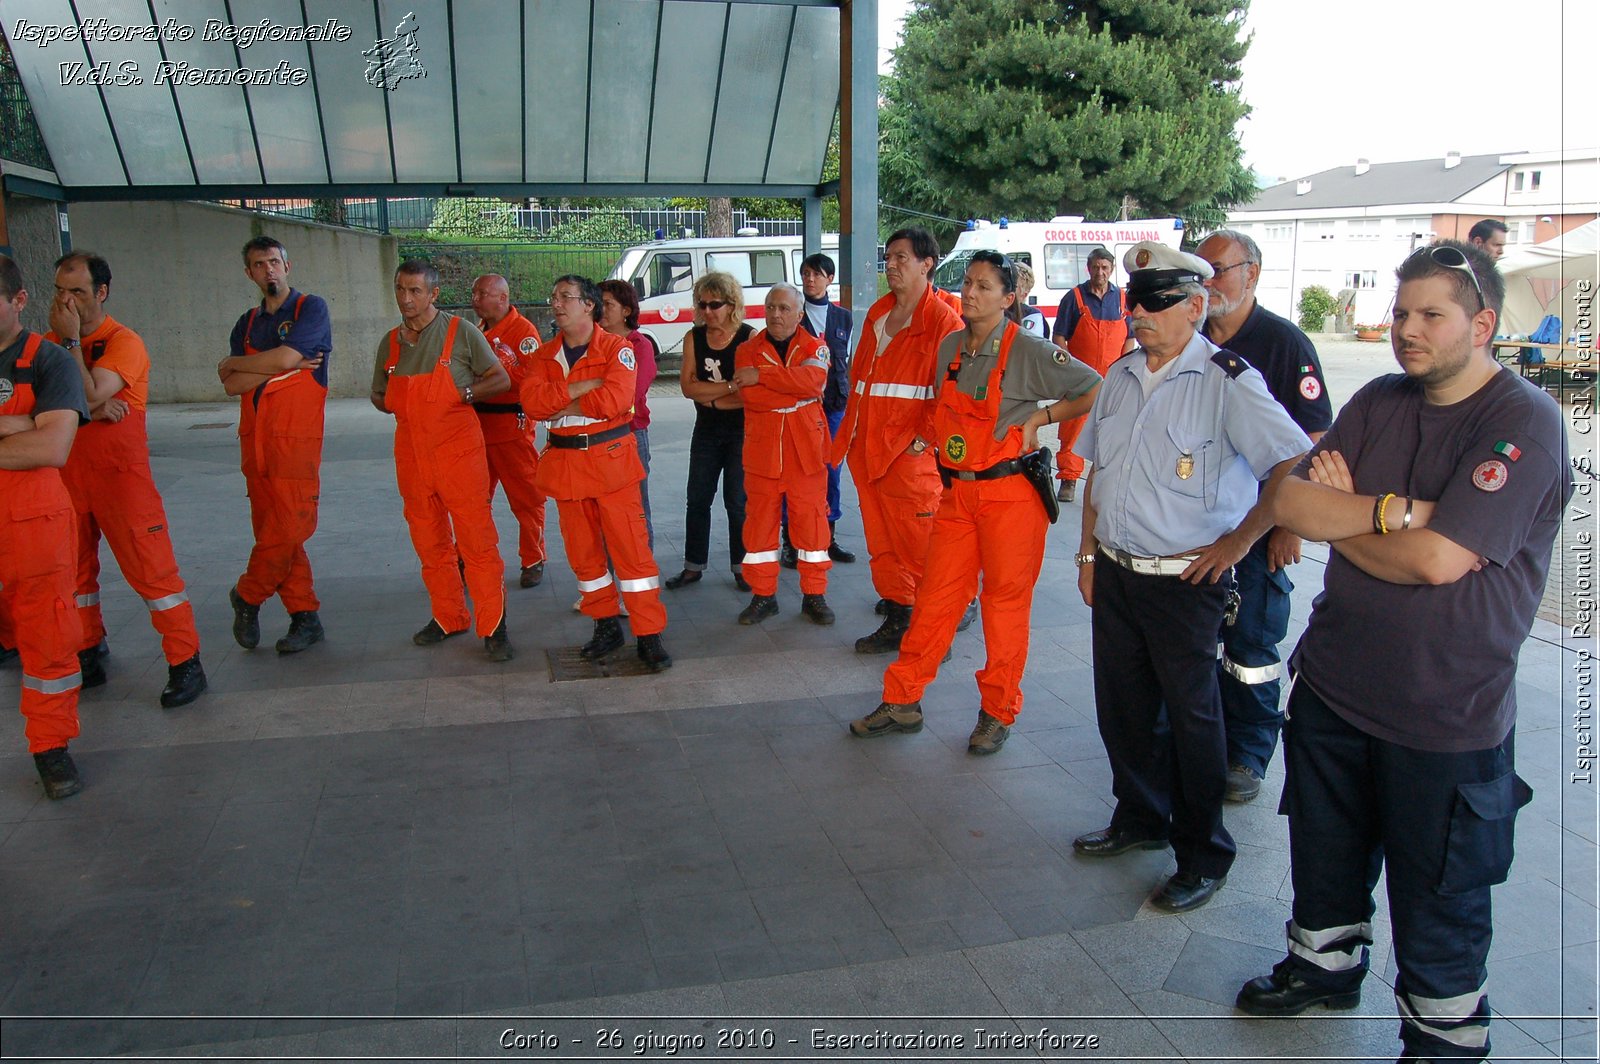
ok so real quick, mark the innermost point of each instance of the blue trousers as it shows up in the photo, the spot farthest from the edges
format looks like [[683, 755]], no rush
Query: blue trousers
[[835, 418], [1248, 675], [1441, 823], [641, 439]]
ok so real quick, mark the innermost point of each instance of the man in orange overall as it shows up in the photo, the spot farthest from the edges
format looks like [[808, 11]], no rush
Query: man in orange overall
[[887, 425], [582, 384], [41, 407], [781, 373], [278, 367], [507, 432], [109, 479], [1092, 324], [428, 373]]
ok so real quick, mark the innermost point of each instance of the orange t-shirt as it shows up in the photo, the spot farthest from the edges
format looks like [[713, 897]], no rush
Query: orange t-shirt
[[116, 347]]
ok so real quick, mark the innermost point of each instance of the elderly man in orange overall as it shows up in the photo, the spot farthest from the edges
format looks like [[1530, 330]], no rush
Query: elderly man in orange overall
[[109, 479], [781, 373], [278, 367], [1091, 323], [507, 432], [428, 373], [888, 424], [582, 383], [41, 407]]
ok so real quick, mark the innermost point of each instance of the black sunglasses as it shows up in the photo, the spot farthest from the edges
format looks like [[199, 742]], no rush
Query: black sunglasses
[[712, 304], [1156, 302], [1452, 259]]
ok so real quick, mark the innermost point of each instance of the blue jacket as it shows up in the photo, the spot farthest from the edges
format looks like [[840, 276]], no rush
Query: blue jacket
[[836, 334]]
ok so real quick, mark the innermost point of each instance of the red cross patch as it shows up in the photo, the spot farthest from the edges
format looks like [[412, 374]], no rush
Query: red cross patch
[[1490, 475], [1310, 387]]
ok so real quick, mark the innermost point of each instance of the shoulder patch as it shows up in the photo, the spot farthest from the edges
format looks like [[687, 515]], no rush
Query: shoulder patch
[[625, 356], [528, 346], [1230, 363]]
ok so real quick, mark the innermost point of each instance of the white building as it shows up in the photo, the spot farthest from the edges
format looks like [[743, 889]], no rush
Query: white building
[[1348, 228]]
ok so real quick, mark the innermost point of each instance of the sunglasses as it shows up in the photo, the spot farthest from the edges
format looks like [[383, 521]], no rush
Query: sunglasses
[[712, 304], [1156, 302], [1452, 259]]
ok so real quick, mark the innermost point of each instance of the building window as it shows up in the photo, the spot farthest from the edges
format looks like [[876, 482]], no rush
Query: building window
[[1516, 181], [1318, 230], [1364, 228], [1533, 180], [1361, 279], [1277, 232]]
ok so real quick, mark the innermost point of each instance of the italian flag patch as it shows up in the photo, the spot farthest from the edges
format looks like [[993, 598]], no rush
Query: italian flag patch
[[1510, 450]]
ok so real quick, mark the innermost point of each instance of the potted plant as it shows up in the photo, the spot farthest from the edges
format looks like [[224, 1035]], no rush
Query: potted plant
[[1372, 333]]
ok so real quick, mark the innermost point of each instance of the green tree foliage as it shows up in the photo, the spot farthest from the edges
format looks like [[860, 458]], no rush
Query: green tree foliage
[[1033, 108], [480, 217], [1316, 303], [601, 227]]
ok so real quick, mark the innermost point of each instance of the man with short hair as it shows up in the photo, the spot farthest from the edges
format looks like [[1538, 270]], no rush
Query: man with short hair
[[780, 373], [428, 373], [1440, 490], [278, 367], [1182, 435], [1489, 237], [831, 322], [582, 383], [507, 432], [1249, 671], [41, 408], [109, 479], [1092, 324], [887, 425]]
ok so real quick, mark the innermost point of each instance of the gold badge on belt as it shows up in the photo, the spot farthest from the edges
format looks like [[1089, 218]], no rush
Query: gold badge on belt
[[955, 448], [1185, 466]]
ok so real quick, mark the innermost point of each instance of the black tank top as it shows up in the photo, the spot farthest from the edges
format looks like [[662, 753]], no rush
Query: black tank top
[[715, 364]]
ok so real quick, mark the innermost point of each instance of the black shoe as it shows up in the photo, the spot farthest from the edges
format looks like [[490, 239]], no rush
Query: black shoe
[[886, 640], [816, 607], [1186, 891], [57, 772], [989, 736], [607, 637], [1284, 993], [1068, 491], [888, 717], [497, 644], [185, 681], [1243, 784], [653, 654], [94, 673], [684, 579], [788, 557], [531, 575], [8, 657], [761, 607], [968, 617], [836, 552], [1111, 841], [739, 582], [881, 608], [305, 630], [432, 634], [246, 620]]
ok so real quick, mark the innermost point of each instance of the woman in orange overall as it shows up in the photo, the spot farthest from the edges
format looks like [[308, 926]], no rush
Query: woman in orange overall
[[997, 388]]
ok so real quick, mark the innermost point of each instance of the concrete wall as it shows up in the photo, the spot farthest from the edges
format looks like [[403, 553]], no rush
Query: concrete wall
[[177, 279], [35, 244]]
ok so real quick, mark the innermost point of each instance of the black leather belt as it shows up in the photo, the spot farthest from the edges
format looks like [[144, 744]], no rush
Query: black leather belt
[[497, 408], [1009, 468], [582, 441]]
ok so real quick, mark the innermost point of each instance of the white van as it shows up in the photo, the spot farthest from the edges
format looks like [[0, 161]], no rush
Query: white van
[[663, 272], [1062, 245]]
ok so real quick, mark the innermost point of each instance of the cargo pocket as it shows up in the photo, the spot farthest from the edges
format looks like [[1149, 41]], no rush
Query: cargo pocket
[[1479, 850]]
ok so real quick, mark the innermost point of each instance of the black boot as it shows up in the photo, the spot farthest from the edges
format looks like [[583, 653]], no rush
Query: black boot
[[607, 637], [788, 557], [816, 607], [761, 607], [886, 639], [836, 552], [94, 673], [498, 644], [246, 620], [185, 681], [305, 629], [653, 654], [57, 772]]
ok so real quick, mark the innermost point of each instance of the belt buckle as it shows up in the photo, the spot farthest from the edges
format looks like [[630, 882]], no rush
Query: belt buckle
[[584, 436]]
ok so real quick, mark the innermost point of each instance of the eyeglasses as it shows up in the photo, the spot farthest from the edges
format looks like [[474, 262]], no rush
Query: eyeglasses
[[712, 304], [1218, 271], [1156, 302], [562, 297], [1452, 259]]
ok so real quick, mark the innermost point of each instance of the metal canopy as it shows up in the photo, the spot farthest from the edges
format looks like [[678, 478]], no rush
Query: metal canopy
[[449, 97]]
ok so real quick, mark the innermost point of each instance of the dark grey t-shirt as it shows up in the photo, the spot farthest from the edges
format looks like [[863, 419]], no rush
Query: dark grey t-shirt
[[57, 384], [1434, 668]]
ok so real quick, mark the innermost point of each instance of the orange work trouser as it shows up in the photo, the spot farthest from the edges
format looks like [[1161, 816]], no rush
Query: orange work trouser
[[807, 498], [513, 464], [446, 506], [283, 515], [997, 526], [897, 512], [1068, 465], [36, 596], [613, 524]]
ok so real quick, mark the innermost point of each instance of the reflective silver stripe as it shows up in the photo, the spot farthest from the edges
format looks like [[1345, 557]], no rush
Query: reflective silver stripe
[[572, 421], [1328, 936], [89, 600], [1472, 1030], [596, 584], [1219, 651], [644, 583], [820, 363], [760, 556], [812, 555], [1313, 945], [53, 687], [157, 605], [1460, 1007], [797, 406], [902, 391], [861, 387], [1246, 674], [1330, 960]]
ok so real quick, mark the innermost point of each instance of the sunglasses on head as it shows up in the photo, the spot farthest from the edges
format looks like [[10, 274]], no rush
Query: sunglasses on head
[[712, 304], [1452, 259], [1156, 302]]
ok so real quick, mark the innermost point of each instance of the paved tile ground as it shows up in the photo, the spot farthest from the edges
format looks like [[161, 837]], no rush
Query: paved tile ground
[[375, 830]]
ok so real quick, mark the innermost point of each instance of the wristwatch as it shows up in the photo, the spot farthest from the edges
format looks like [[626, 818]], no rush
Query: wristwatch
[[1083, 559], [918, 445], [466, 393], [70, 344]]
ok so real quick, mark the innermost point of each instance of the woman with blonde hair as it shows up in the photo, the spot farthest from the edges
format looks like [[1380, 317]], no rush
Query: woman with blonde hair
[[716, 450]]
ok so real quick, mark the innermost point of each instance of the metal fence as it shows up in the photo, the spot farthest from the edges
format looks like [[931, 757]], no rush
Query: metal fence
[[20, 140], [530, 269]]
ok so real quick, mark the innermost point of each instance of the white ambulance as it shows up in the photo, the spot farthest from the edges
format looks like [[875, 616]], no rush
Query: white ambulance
[[1057, 251], [663, 272]]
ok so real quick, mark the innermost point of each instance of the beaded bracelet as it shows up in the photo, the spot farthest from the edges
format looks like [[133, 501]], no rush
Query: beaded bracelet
[[1378, 524]]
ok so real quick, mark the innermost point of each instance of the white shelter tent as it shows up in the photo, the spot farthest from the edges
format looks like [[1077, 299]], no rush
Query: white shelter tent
[[1556, 277]]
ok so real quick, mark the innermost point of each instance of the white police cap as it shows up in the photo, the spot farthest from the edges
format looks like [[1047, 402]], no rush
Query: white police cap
[[1154, 267]]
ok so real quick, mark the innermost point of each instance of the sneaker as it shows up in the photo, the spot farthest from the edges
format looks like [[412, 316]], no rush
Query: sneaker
[[653, 653], [816, 607], [531, 575], [57, 772], [761, 607], [607, 637], [185, 682], [432, 634], [497, 644], [246, 620], [989, 736], [305, 630], [1243, 784], [1068, 491], [888, 717]]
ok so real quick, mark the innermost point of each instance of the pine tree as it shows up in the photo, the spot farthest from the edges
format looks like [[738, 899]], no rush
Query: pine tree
[[1032, 108]]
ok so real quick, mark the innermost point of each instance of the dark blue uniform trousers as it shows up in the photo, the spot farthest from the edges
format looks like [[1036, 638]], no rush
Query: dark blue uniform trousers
[[1249, 673], [1442, 823], [1155, 646]]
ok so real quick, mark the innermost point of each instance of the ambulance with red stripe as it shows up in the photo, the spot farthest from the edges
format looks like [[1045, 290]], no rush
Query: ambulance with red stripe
[[663, 272], [1057, 251]]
